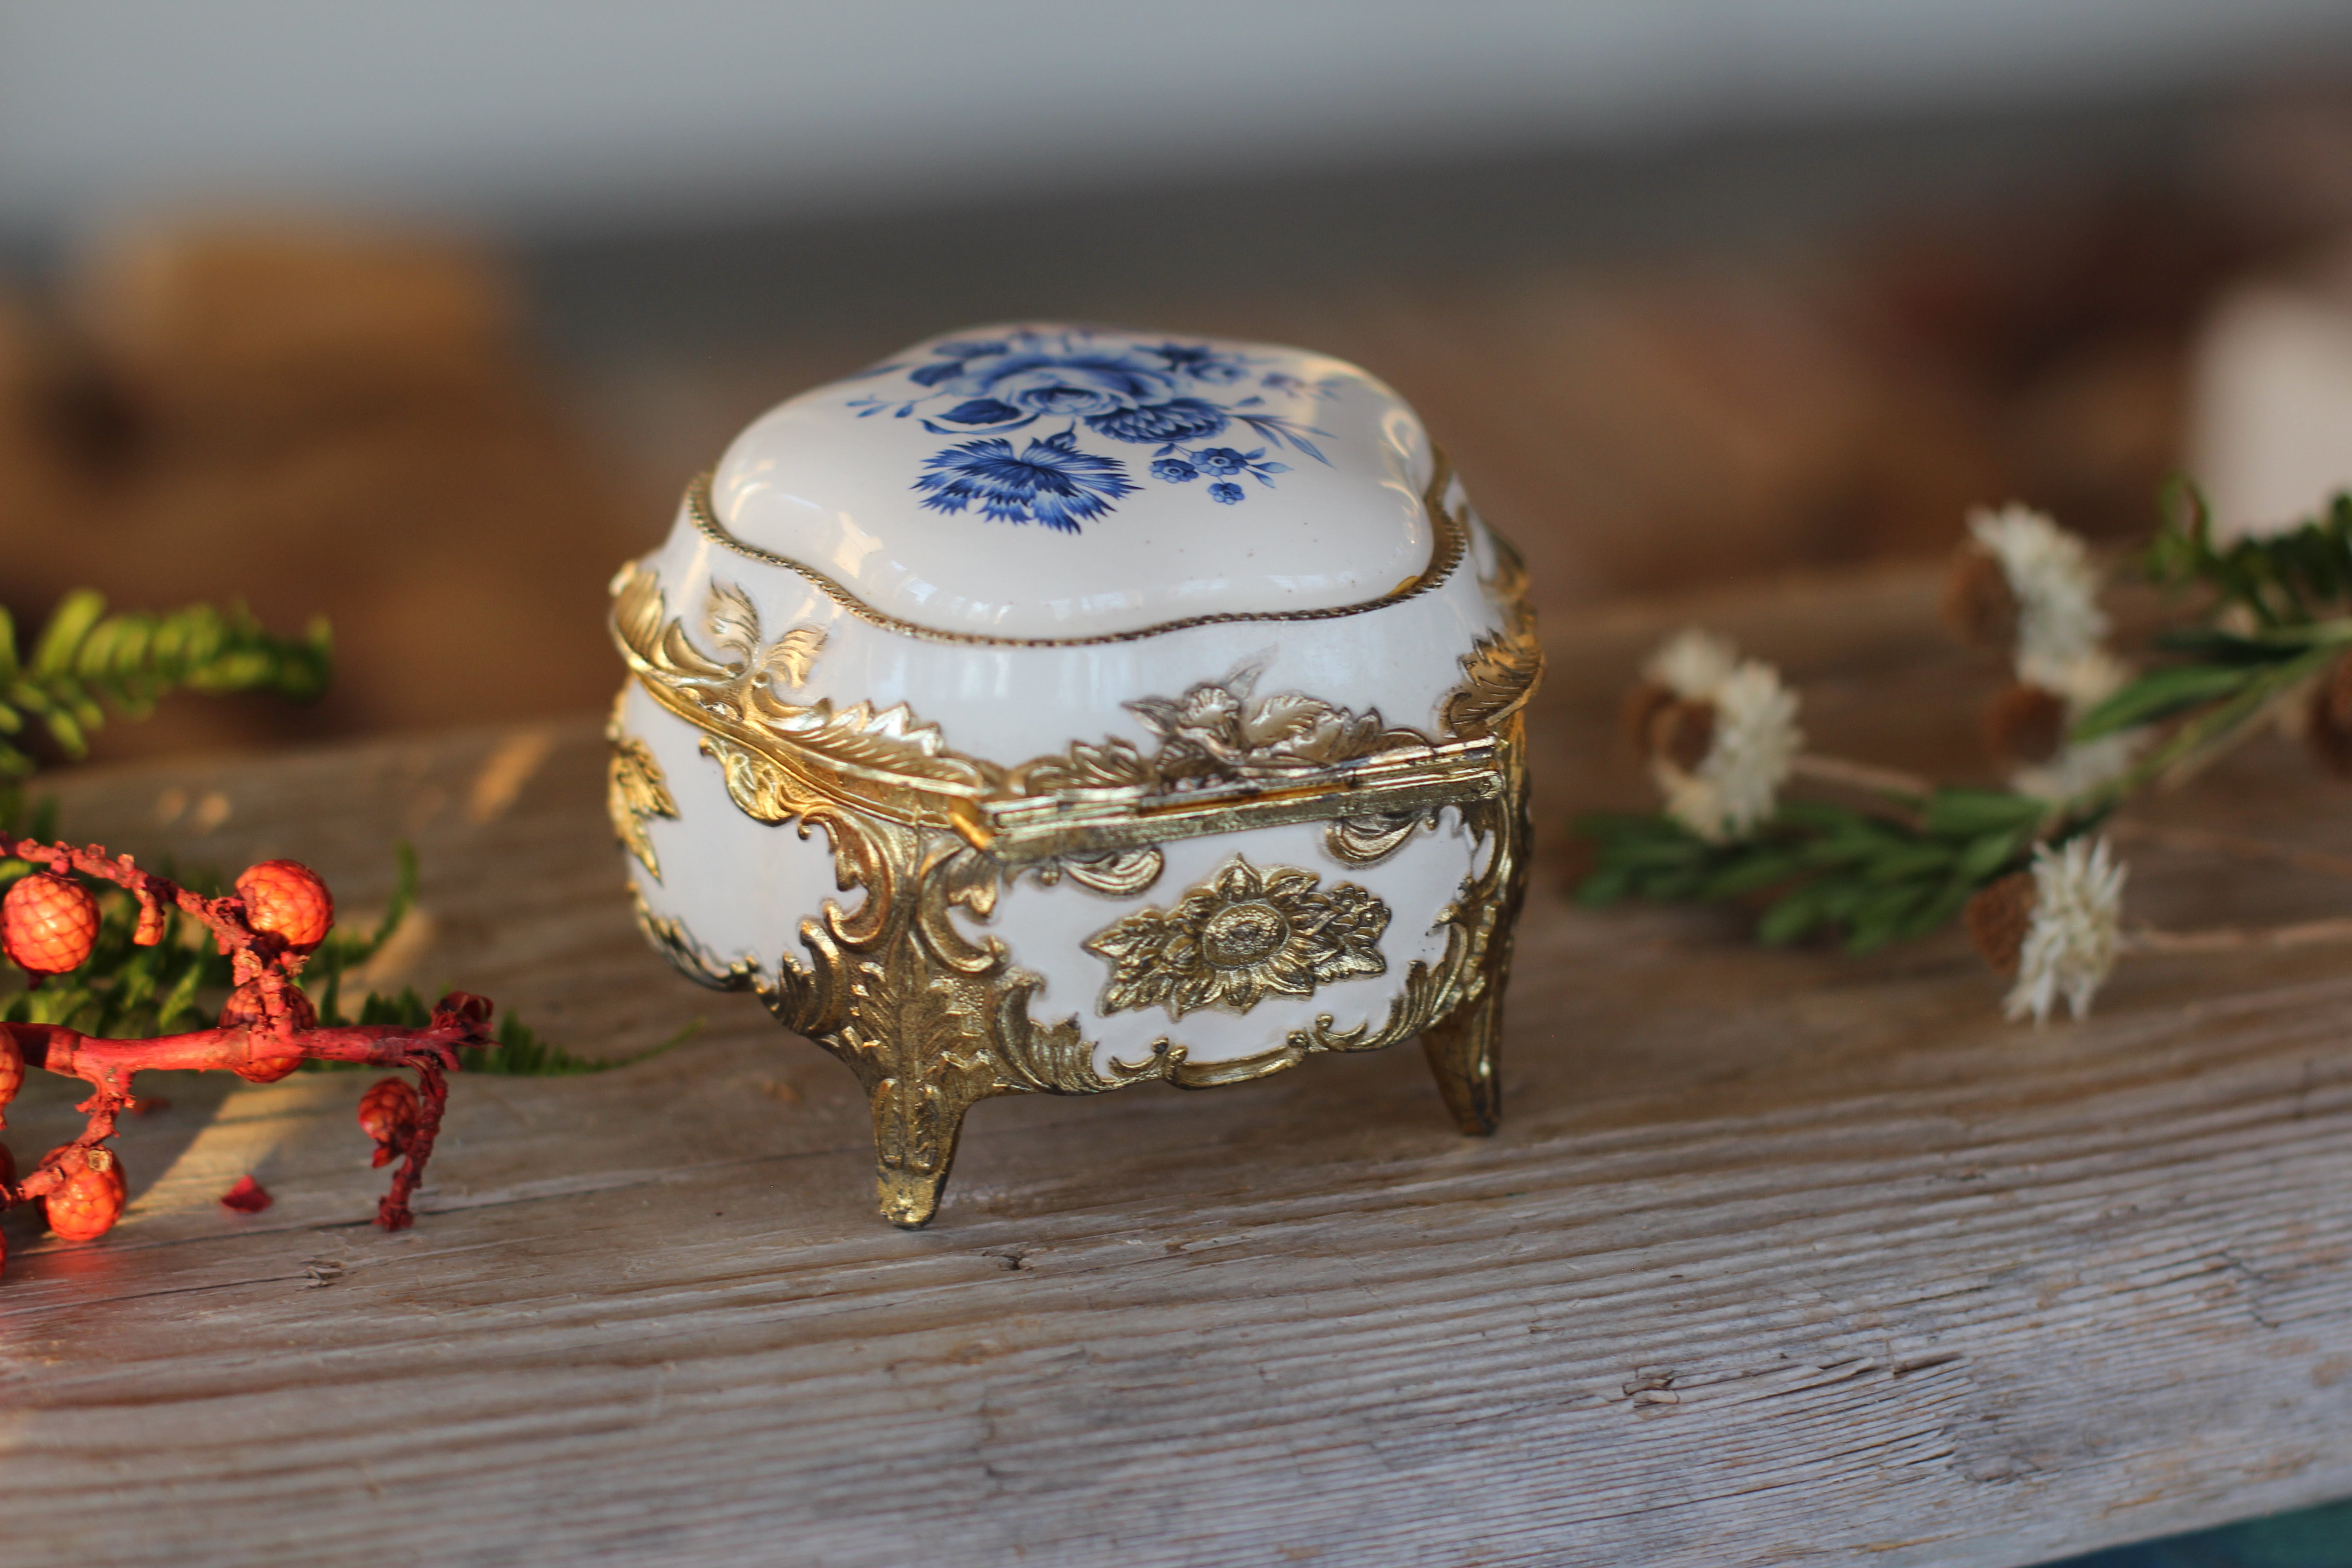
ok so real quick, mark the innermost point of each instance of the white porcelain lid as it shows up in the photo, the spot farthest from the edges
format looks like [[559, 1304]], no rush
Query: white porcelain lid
[[1052, 480]]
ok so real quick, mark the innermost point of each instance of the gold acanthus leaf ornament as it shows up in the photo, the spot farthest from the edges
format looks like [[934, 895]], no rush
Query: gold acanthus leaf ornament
[[635, 790], [1240, 937], [1222, 732], [1502, 667]]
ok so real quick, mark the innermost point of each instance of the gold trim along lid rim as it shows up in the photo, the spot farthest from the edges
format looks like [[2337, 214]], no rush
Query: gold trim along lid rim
[[1451, 546], [1060, 482]]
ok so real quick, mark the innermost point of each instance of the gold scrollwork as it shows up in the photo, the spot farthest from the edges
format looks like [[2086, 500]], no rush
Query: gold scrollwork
[[687, 956], [1371, 838], [933, 1020], [1116, 874]]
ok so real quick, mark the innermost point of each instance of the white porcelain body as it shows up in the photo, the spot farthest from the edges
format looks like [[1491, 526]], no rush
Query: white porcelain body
[[1345, 528]]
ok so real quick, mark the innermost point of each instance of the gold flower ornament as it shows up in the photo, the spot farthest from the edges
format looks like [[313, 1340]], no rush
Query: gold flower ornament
[[1236, 938]]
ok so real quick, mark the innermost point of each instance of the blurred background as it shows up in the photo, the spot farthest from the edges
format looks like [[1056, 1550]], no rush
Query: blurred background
[[420, 316]]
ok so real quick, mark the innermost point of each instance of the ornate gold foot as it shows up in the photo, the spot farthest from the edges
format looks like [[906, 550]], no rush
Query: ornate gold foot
[[915, 1129], [909, 1198], [1465, 1052]]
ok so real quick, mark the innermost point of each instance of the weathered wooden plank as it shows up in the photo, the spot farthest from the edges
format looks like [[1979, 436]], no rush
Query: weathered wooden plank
[[1779, 1257]]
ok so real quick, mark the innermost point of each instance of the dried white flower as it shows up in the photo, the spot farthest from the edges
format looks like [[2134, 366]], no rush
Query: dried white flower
[[1752, 739], [2059, 622], [2070, 946], [1693, 664], [2082, 684], [2079, 769]]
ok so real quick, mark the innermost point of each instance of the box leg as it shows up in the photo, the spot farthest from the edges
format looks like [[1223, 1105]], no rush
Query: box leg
[[1464, 1051], [915, 1131]]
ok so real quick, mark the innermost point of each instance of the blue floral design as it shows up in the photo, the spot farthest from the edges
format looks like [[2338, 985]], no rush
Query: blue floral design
[[1167, 395], [1050, 481]]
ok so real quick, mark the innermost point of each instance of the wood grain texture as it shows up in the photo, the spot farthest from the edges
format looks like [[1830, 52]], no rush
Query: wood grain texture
[[1779, 1257]]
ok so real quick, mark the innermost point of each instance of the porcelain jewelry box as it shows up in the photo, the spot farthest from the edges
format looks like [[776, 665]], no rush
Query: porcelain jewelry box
[[1052, 708]]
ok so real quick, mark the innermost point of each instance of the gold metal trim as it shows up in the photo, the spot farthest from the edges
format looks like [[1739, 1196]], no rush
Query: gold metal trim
[[932, 1021], [1450, 543], [1228, 759]]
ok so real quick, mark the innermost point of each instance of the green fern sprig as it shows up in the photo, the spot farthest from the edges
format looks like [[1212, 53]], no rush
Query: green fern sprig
[[86, 663], [1875, 877], [2290, 578]]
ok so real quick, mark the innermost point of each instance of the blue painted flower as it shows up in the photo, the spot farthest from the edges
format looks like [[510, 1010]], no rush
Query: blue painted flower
[[1092, 383], [1177, 419], [1219, 460], [1050, 481], [1085, 384]]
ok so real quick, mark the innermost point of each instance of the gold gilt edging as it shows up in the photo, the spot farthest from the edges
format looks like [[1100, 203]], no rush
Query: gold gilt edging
[[932, 1021], [1450, 545]]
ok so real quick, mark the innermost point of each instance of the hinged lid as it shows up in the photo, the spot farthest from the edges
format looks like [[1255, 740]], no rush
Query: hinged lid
[[1051, 482]]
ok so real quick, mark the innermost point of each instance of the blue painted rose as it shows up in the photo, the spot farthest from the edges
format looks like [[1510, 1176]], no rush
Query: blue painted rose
[[1080, 385]]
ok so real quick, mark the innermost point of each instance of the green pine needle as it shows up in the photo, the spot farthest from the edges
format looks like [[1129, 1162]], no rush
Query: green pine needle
[[86, 663], [1818, 868]]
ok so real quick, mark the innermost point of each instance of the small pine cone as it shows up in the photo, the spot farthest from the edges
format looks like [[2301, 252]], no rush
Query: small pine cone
[[287, 898], [2025, 725], [2327, 722], [1977, 602], [1998, 918], [244, 1010], [49, 923], [388, 1114], [91, 1200]]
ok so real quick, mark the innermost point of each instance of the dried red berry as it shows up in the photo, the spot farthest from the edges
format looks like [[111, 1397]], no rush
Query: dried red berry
[[264, 1062], [49, 923], [388, 1115], [12, 1072], [287, 898], [91, 1200], [248, 1196]]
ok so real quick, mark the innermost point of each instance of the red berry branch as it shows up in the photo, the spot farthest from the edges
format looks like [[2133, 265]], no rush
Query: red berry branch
[[268, 927]]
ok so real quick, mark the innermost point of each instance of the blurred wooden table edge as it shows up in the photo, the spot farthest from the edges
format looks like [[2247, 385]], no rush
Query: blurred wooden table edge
[[1779, 1255]]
